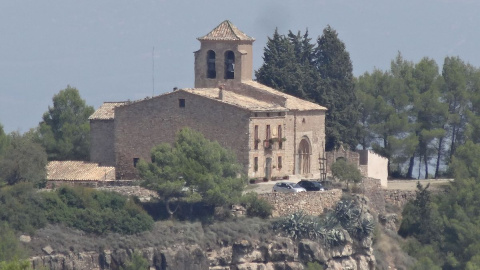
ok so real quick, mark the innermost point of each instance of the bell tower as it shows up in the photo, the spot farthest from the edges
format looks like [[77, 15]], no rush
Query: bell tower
[[225, 56]]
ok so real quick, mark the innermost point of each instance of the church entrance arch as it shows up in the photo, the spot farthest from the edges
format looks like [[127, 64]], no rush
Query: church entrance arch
[[304, 153]]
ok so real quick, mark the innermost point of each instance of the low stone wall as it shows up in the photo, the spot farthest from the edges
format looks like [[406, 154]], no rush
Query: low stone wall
[[399, 197], [92, 183], [311, 203], [373, 190]]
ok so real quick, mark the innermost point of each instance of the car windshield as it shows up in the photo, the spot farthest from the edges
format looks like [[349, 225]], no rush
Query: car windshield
[[296, 186], [316, 184]]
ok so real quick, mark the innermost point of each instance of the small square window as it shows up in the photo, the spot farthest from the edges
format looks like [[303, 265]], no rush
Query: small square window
[[181, 103]]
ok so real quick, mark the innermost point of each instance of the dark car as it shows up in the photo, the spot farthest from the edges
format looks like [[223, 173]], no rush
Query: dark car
[[311, 185]]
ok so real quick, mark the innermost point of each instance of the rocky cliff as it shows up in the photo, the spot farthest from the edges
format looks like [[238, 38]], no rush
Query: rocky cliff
[[279, 253], [239, 244]]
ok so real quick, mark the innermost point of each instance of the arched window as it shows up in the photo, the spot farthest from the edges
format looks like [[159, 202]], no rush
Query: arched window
[[211, 71], [229, 65], [304, 156]]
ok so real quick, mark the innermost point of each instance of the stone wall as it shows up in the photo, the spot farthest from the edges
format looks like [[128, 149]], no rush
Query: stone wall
[[311, 203], [349, 156], [102, 148], [375, 166], [399, 197], [140, 126], [372, 189]]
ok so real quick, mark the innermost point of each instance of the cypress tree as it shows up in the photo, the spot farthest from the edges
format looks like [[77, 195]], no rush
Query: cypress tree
[[335, 90]]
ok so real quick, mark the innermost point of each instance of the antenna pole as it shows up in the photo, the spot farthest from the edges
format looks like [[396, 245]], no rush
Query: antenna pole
[[153, 71]]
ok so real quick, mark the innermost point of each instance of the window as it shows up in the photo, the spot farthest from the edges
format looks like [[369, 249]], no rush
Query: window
[[279, 114], [268, 114], [229, 65], [279, 163], [255, 164], [181, 103], [256, 140], [211, 70], [135, 161], [280, 138], [268, 134]]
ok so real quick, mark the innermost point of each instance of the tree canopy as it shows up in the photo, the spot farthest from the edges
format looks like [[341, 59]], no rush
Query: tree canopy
[[65, 130], [193, 169], [23, 160], [320, 72]]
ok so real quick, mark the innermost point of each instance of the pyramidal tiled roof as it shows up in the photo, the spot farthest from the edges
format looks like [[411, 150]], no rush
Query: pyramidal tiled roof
[[226, 31]]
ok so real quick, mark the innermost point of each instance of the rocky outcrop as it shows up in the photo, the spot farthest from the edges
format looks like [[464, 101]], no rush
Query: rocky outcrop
[[279, 253]]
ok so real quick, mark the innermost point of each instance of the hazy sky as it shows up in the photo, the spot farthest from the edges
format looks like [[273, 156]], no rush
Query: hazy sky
[[104, 47]]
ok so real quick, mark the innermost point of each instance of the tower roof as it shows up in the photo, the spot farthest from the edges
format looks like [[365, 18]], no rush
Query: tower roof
[[226, 31]]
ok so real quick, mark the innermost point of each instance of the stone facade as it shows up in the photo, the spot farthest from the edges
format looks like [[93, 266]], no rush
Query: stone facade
[[370, 164], [374, 166], [272, 134], [102, 142]]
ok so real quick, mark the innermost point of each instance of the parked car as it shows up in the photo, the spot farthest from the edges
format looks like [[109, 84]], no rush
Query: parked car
[[311, 185], [287, 187]]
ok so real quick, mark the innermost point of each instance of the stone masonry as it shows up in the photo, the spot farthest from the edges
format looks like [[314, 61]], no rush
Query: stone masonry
[[272, 134]]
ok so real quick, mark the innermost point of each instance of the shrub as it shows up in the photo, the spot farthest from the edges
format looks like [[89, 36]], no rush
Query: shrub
[[21, 206], [96, 211], [255, 206], [9, 244], [138, 262], [314, 266]]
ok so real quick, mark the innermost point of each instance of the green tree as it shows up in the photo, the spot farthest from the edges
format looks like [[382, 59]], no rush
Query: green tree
[[336, 90], [346, 171], [421, 218], [3, 141], [23, 161], [456, 96], [429, 114], [65, 130], [386, 112], [282, 69], [15, 264], [9, 245], [193, 169]]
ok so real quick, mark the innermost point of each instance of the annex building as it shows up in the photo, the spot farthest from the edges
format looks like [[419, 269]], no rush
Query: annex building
[[273, 134]]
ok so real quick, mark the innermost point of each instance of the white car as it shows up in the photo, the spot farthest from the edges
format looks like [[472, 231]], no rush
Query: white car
[[287, 187]]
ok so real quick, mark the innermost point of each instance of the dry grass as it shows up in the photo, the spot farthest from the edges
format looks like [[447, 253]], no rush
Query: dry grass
[[388, 251], [164, 234]]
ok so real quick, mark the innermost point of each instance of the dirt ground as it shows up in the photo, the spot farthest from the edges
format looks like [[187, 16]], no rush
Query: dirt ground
[[266, 187]]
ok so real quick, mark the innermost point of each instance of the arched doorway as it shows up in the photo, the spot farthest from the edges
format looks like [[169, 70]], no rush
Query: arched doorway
[[304, 156]]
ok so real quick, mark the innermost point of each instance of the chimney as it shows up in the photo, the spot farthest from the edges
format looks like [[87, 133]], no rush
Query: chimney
[[220, 92]]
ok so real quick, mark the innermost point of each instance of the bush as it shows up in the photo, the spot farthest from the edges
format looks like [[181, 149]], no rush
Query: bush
[[21, 206], [138, 262], [314, 266], [9, 244], [96, 211], [255, 206]]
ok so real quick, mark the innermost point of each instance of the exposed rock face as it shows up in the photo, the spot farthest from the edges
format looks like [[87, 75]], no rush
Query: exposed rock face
[[278, 254]]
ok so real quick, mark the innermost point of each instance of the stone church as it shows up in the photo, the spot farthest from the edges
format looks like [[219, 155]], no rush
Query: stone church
[[273, 134]]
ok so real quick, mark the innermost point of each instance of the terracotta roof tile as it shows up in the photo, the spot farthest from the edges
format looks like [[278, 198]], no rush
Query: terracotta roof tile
[[292, 103], [106, 111], [78, 171], [235, 99], [226, 31]]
